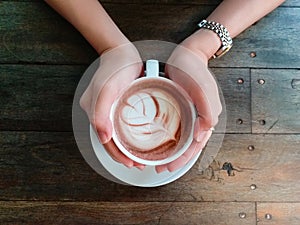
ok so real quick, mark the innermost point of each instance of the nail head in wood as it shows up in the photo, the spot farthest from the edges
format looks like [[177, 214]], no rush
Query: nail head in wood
[[252, 54], [240, 81], [251, 147], [242, 215], [262, 122], [296, 84], [261, 81], [239, 121], [268, 216], [253, 186]]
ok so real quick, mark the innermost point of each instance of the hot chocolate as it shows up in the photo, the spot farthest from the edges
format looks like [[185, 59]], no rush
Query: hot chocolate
[[152, 119]]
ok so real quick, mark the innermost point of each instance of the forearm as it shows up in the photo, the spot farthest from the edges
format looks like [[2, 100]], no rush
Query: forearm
[[236, 16], [92, 21]]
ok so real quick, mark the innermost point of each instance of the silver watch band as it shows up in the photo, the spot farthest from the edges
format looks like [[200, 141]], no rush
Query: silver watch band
[[222, 33]]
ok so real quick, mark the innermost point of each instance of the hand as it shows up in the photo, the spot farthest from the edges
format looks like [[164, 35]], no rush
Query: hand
[[188, 67], [118, 68]]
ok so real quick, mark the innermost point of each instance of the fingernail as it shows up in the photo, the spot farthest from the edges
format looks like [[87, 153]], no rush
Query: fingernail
[[129, 165], [173, 168], [160, 169], [103, 137], [140, 167], [200, 136]]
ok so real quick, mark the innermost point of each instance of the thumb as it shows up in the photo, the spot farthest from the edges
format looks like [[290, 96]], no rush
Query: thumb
[[103, 102], [202, 130], [101, 113], [104, 130]]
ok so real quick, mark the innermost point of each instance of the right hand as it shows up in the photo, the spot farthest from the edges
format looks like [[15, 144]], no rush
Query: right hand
[[118, 68]]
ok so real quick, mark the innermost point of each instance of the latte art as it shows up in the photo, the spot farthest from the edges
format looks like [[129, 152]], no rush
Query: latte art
[[150, 123], [152, 120]]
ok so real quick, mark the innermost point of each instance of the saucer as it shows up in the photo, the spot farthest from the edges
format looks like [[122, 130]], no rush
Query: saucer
[[133, 176]]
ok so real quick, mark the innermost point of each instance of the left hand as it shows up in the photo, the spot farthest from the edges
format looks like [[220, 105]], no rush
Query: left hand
[[188, 68]]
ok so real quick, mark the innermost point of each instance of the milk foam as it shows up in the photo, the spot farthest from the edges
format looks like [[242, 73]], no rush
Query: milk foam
[[149, 119]]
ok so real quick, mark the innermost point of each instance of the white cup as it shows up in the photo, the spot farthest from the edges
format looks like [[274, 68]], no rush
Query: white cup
[[156, 125]]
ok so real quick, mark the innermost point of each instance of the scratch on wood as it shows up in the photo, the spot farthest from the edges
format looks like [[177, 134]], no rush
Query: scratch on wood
[[165, 212], [230, 169], [37, 150], [6, 46], [271, 126], [212, 173]]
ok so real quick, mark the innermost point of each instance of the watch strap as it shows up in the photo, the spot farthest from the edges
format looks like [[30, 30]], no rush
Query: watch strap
[[223, 34]]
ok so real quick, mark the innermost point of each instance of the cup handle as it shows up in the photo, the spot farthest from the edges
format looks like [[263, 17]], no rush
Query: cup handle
[[152, 68]]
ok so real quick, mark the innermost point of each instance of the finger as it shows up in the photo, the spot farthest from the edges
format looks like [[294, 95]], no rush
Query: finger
[[140, 166], [197, 128], [185, 158], [201, 128], [85, 102], [106, 97], [117, 155], [192, 151], [181, 161], [188, 69], [203, 138], [194, 90], [161, 168]]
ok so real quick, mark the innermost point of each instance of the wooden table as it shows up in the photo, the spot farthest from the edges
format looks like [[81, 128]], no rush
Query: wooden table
[[45, 180]]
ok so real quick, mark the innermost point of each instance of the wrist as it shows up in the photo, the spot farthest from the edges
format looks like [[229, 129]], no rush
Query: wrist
[[204, 42], [106, 45], [120, 56]]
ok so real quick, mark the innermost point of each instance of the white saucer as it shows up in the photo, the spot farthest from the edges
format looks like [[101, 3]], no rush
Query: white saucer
[[145, 178]]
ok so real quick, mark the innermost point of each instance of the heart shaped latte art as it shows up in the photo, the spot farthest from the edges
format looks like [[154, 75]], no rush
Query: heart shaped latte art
[[149, 121]]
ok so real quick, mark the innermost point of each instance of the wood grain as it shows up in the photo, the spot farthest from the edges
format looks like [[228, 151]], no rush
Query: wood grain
[[39, 97], [290, 3], [44, 178], [270, 40], [237, 98], [277, 101], [104, 213], [38, 34], [278, 213], [48, 166], [31, 32], [271, 166]]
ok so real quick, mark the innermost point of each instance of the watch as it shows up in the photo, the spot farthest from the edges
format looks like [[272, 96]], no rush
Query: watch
[[223, 34]]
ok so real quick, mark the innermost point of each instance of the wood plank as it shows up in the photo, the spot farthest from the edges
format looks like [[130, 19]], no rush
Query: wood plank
[[278, 213], [271, 44], [292, 3], [126, 213], [33, 32], [37, 97], [40, 97], [194, 2], [48, 166], [276, 101], [237, 98], [38, 34], [266, 172], [201, 2], [289, 3], [270, 52]]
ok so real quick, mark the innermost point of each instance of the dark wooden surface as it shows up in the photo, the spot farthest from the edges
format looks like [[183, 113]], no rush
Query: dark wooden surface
[[45, 180]]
